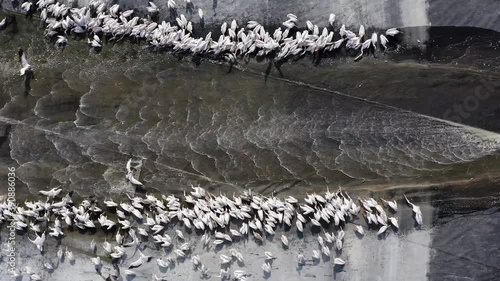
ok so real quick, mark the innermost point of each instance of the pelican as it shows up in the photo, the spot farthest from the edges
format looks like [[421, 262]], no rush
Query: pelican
[[269, 256], [3, 23], [61, 41], [392, 204], [143, 258], [92, 245], [35, 276], [60, 253], [132, 179], [416, 210], [284, 240], [331, 19], [54, 191], [394, 222], [382, 229], [301, 259], [361, 32], [39, 241], [152, 8], [392, 31], [95, 43], [316, 255], [96, 261], [266, 267], [70, 255], [171, 4], [359, 229], [179, 234], [383, 41], [200, 13], [225, 259]]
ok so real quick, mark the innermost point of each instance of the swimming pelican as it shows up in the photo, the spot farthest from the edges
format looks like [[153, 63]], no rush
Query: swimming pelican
[[359, 229], [392, 204], [61, 41], [284, 240], [39, 241], [416, 210], [152, 8], [392, 31], [266, 267], [331, 19], [338, 261]]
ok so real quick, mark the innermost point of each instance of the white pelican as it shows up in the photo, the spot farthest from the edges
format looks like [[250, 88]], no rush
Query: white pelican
[[359, 229], [284, 240], [39, 241], [331, 19], [416, 210], [266, 267], [392, 31], [200, 13], [392, 204]]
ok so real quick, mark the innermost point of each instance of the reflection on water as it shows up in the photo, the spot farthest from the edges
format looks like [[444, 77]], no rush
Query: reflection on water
[[88, 113]]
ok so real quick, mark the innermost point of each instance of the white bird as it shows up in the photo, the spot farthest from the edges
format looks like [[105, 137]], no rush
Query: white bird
[[92, 245], [361, 32], [60, 253], [284, 240], [331, 19], [382, 229], [225, 259], [200, 13], [316, 255], [266, 267], [383, 41], [416, 210], [394, 222], [96, 261], [179, 234], [269, 255], [2, 23], [301, 259], [338, 261], [152, 9], [61, 40], [95, 43], [39, 241], [54, 191], [35, 277], [132, 179], [129, 272], [70, 255], [392, 31], [359, 229], [392, 204]]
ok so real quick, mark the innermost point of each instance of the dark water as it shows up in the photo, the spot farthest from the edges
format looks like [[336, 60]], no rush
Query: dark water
[[87, 113]]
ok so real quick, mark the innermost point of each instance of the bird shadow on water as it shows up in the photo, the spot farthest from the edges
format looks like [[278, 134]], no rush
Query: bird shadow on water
[[189, 8]]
